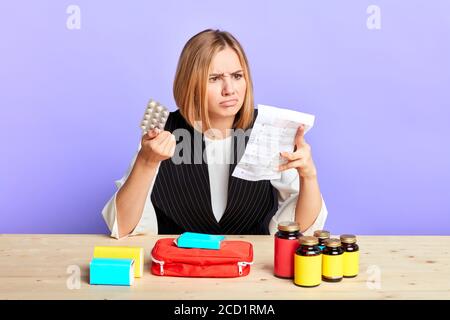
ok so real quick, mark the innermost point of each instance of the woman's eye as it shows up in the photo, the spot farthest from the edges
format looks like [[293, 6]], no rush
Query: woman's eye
[[238, 76], [213, 79]]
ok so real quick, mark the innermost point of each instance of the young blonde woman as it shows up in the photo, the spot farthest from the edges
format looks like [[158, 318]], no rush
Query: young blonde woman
[[214, 94]]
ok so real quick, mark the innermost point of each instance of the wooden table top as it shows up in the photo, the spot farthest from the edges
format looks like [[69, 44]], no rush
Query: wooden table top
[[391, 267]]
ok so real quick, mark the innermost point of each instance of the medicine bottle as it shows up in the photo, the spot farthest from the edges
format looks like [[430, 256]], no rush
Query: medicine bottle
[[322, 235], [308, 263], [286, 243], [332, 261], [351, 255]]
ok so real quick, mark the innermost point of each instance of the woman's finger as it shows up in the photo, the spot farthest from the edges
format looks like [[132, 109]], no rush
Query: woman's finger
[[151, 134], [292, 155], [163, 145], [167, 147], [162, 136], [156, 142], [300, 136], [292, 164]]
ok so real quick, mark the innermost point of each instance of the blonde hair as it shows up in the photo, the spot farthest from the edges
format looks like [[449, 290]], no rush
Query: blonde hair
[[190, 84]]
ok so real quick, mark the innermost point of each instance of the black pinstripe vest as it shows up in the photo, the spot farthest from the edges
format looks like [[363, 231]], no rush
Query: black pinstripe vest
[[181, 194]]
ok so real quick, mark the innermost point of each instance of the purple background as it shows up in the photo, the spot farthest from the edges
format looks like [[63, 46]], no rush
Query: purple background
[[71, 102]]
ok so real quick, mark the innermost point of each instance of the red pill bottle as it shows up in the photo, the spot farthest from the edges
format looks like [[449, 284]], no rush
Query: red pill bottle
[[286, 243]]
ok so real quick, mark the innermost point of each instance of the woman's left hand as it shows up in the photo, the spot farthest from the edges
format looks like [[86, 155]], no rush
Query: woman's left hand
[[301, 158]]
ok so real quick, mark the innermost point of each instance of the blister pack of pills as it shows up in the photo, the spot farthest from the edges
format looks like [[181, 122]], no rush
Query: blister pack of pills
[[155, 116]]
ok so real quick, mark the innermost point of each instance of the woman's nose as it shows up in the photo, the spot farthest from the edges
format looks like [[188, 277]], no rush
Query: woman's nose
[[228, 87]]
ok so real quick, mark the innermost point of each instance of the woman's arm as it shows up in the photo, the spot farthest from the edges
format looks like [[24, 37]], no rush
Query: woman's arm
[[131, 197], [309, 202], [156, 146]]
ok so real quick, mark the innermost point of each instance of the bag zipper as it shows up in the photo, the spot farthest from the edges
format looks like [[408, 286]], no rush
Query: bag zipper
[[243, 264], [240, 264], [161, 265]]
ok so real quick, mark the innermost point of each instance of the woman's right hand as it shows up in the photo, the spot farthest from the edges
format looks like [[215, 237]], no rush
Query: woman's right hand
[[156, 146]]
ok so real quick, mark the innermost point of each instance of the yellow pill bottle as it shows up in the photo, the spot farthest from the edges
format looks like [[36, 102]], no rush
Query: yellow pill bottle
[[308, 263], [351, 255], [332, 261]]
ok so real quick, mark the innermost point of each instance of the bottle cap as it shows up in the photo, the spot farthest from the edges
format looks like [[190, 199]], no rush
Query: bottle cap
[[348, 238], [333, 243], [289, 226], [309, 241], [322, 234]]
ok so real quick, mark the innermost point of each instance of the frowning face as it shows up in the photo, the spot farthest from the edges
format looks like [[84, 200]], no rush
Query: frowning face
[[226, 85]]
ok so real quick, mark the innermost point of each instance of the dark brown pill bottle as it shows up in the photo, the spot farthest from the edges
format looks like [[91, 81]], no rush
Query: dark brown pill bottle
[[351, 255], [332, 261], [308, 263], [322, 235]]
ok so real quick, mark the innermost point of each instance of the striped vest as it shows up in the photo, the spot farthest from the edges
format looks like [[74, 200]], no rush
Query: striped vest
[[181, 194]]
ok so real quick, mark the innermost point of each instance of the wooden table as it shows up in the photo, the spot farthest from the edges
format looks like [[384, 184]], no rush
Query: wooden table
[[391, 267]]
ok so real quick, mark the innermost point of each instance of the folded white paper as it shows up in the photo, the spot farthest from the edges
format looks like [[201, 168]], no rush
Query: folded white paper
[[273, 132]]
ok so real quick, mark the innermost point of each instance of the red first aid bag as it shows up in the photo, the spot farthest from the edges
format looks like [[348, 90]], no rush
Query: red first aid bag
[[233, 259]]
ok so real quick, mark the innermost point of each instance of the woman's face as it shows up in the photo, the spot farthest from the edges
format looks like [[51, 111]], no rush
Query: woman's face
[[226, 85]]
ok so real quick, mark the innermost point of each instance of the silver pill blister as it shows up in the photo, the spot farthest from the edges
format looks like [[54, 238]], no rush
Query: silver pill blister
[[155, 116]]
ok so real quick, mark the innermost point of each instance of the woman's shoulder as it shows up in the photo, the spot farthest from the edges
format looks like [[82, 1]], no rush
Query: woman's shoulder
[[174, 115], [174, 121]]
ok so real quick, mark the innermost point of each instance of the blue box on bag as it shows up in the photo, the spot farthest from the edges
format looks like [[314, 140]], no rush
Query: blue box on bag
[[199, 240]]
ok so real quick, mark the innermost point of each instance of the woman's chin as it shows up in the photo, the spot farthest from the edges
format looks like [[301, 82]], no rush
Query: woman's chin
[[227, 111]]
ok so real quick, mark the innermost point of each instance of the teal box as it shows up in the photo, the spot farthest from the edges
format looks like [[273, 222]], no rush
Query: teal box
[[199, 240], [110, 271]]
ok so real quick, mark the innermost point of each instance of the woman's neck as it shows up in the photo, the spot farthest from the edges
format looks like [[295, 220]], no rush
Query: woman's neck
[[220, 128]]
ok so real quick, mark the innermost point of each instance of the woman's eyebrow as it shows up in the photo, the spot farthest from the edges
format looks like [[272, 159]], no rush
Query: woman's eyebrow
[[221, 74]]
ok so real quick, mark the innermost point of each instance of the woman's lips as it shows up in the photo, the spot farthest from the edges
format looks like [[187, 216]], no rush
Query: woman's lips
[[229, 103]]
